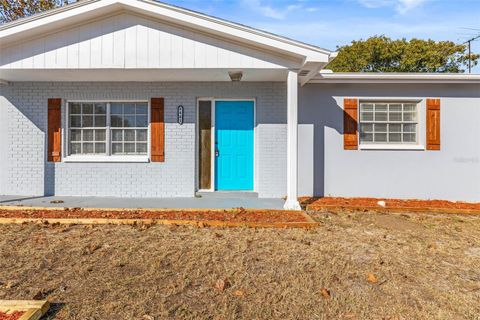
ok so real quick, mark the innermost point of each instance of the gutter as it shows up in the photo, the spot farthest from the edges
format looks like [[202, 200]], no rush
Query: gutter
[[327, 76]]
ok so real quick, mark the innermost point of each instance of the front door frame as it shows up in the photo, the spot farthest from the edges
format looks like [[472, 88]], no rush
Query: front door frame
[[213, 101]]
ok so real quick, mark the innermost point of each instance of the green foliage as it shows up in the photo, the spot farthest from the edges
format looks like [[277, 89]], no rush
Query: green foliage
[[382, 54], [11, 10]]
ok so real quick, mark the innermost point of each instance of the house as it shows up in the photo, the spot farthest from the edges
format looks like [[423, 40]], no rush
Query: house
[[135, 98]]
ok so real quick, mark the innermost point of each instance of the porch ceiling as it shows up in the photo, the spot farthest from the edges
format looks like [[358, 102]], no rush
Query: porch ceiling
[[147, 75]]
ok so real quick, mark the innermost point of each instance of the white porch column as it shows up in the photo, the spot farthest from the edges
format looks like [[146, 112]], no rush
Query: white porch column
[[292, 142]]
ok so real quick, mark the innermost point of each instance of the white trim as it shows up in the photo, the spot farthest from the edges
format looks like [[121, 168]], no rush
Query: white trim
[[359, 77], [375, 101], [391, 147], [108, 157], [102, 158]]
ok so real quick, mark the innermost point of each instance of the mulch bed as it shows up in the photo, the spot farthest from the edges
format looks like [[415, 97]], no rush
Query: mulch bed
[[236, 217], [394, 204], [15, 315]]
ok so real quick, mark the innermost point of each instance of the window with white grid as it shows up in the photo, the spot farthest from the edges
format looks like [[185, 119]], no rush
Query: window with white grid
[[388, 122], [107, 128], [129, 122]]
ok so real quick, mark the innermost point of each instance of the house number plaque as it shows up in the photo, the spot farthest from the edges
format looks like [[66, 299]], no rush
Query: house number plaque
[[180, 114]]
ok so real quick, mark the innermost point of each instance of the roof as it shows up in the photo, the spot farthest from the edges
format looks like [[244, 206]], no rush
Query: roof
[[363, 77], [78, 12]]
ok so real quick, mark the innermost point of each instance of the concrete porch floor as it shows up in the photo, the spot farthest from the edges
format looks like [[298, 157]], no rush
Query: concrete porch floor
[[145, 203]]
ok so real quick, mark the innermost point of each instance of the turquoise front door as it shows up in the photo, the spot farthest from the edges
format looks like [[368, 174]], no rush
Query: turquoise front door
[[234, 121]]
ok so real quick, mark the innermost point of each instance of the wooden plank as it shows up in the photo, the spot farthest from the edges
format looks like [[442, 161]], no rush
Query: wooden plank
[[157, 130], [350, 124], [25, 304], [433, 124], [307, 217], [337, 208], [206, 223], [34, 309], [26, 208], [31, 314], [54, 130], [205, 137]]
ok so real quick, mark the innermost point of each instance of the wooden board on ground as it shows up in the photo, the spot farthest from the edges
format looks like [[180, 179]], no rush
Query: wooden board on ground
[[379, 209], [34, 309], [238, 217], [204, 223]]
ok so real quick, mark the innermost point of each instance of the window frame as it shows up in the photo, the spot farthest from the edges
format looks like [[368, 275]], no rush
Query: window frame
[[417, 145], [108, 157]]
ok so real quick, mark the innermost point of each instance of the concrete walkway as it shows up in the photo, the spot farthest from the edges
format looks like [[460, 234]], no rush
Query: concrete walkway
[[210, 202]]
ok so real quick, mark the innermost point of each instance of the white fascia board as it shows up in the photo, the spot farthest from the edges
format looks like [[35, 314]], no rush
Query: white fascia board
[[52, 16], [231, 30], [395, 78], [88, 9]]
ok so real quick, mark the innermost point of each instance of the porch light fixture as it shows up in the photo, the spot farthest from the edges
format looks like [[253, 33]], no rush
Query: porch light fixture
[[235, 76]]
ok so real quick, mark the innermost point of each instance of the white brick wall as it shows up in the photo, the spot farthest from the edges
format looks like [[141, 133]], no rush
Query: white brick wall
[[3, 144], [27, 172]]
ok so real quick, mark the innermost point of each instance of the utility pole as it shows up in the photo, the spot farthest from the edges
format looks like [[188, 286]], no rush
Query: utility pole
[[469, 56], [470, 52]]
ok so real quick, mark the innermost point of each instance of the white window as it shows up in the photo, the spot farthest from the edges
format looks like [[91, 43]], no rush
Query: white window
[[107, 128], [388, 123]]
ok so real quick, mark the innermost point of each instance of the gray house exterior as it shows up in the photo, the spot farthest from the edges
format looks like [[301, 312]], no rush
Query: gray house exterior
[[298, 135]]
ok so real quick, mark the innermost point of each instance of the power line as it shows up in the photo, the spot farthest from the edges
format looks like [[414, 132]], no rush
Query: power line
[[469, 41]]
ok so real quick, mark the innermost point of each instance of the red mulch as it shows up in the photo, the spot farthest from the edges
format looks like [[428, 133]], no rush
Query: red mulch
[[238, 215], [313, 203], [12, 316]]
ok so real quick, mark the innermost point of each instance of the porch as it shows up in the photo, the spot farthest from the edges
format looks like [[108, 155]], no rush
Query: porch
[[220, 201]]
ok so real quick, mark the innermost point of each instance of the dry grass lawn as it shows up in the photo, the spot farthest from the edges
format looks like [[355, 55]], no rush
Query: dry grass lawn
[[372, 266]]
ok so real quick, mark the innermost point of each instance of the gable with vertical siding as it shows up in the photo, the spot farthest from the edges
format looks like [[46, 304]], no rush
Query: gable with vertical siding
[[130, 41]]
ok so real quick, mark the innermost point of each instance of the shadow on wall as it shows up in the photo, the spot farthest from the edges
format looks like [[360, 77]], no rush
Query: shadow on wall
[[316, 112], [23, 138]]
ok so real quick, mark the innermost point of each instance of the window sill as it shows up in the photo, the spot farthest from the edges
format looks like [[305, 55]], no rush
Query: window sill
[[391, 147], [131, 159]]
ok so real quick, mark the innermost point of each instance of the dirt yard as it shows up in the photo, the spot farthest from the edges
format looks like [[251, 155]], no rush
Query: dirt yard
[[354, 266]]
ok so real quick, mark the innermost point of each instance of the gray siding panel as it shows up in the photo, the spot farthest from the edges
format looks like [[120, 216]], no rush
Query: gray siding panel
[[452, 173], [27, 172]]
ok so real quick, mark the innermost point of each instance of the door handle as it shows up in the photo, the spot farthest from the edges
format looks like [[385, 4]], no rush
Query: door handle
[[217, 153]]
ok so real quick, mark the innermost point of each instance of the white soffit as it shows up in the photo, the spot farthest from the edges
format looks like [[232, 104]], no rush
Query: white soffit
[[139, 75], [83, 11]]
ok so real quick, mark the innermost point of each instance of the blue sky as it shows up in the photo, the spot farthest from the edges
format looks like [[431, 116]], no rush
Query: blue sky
[[333, 23]]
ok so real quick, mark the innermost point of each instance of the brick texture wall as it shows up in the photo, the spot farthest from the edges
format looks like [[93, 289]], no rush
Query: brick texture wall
[[26, 172]]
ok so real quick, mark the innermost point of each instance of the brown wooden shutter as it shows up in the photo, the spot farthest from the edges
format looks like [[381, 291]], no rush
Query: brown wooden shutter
[[433, 124], [350, 124], [157, 128], [54, 130]]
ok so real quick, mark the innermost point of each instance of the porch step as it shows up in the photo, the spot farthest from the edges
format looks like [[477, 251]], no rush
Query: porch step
[[227, 194]]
